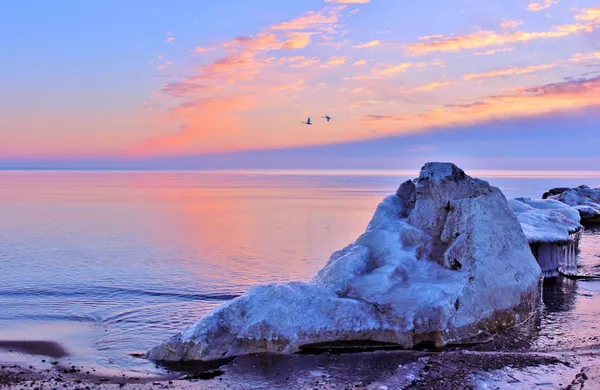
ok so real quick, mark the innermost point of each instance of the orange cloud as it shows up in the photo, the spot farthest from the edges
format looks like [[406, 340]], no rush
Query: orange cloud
[[305, 63], [170, 39], [312, 20], [540, 5], [334, 61], [511, 23], [217, 93], [570, 95], [297, 40], [360, 63], [293, 87], [186, 89], [391, 69], [432, 86], [589, 15], [368, 44], [508, 72], [200, 49], [583, 58], [292, 59], [482, 39]]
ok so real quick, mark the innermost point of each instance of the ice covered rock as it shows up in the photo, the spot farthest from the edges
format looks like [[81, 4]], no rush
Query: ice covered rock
[[554, 191], [546, 220], [553, 230], [584, 199], [444, 260]]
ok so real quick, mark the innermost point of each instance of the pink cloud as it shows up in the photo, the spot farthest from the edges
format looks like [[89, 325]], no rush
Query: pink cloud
[[511, 23], [541, 5], [483, 39], [369, 44]]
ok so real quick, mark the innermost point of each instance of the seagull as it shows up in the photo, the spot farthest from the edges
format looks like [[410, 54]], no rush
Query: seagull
[[327, 117], [307, 122]]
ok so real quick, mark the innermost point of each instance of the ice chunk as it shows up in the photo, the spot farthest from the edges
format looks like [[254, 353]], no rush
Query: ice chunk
[[441, 261], [546, 220], [553, 231], [584, 199]]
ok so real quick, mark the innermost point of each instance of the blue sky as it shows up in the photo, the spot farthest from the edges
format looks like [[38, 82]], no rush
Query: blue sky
[[117, 82]]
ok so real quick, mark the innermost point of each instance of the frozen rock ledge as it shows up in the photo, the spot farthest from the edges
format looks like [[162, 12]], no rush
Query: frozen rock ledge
[[553, 230], [442, 261], [584, 199]]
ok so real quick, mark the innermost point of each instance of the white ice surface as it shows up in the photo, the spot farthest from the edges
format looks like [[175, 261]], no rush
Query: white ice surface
[[546, 220], [584, 199]]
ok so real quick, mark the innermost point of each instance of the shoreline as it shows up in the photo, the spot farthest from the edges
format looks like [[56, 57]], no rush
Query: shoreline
[[379, 370]]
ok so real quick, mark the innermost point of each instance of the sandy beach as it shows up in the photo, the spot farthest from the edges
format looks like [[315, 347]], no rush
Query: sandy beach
[[36, 365]]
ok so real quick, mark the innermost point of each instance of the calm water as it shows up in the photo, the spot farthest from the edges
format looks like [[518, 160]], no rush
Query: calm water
[[111, 263]]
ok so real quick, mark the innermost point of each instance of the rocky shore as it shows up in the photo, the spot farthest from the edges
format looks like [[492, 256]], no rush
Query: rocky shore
[[380, 370]]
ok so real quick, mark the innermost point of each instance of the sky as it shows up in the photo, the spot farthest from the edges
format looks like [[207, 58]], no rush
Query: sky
[[503, 83]]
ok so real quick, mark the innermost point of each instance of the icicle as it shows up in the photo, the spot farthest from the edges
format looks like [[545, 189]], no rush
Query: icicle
[[558, 257]]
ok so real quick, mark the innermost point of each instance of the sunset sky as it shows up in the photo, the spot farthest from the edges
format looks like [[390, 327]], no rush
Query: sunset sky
[[509, 83]]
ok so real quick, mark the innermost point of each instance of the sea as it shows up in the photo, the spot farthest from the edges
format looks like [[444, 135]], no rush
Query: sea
[[110, 263]]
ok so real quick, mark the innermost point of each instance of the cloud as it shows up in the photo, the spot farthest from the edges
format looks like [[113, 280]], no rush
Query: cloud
[[570, 95], [511, 23], [297, 40], [369, 44], [508, 72], [334, 61], [391, 69], [579, 58], [576, 88], [512, 71], [483, 39], [292, 87], [170, 39], [312, 20], [306, 63], [291, 59], [200, 49], [494, 51], [186, 89], [217, 93], [540, 5], [430, 37], [360, 63], [432, 86], [589, 15], [385, 117], [468, 105]]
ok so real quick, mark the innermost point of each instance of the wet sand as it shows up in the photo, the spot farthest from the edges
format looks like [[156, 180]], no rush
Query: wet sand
[[44, 348], [571, 369]]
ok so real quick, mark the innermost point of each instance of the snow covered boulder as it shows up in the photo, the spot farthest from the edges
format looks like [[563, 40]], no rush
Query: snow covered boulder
[[585, 200], [444, 260], [553, 230]]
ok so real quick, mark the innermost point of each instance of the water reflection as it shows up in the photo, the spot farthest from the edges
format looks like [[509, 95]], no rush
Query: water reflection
[[558, 294]]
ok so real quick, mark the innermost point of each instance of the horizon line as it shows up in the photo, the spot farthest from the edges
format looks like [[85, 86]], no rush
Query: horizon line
[[495, 173]]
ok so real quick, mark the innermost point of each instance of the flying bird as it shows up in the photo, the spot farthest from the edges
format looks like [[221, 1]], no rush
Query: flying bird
[[307, 122], [327, 117]]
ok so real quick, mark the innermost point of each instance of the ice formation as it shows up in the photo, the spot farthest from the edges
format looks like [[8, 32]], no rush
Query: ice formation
[[553, 230], [584, 199], [442, 261]]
